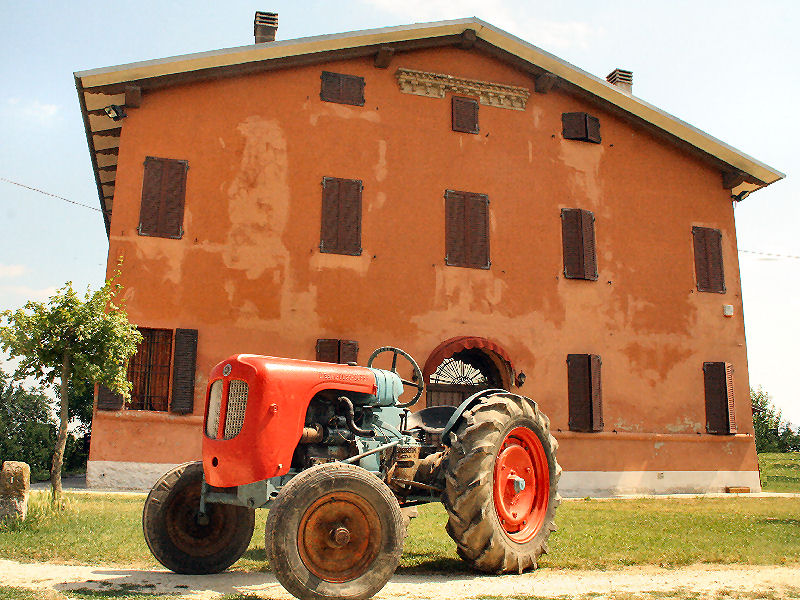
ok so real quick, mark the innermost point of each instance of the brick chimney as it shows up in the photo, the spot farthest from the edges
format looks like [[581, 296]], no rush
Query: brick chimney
[[264, 26], [622, 79]]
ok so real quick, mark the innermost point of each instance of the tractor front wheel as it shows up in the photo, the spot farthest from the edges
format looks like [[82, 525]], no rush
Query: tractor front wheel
[[184, 541], [501, 484], [334, 531]]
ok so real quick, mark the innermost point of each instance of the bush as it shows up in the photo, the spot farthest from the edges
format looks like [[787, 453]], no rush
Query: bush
[[28, 430], [773, 434]]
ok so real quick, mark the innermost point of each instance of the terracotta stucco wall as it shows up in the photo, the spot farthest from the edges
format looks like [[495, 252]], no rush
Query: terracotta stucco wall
[[249, 276]]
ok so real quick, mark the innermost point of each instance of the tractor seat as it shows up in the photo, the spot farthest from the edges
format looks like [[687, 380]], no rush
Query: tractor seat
[[431, 419]]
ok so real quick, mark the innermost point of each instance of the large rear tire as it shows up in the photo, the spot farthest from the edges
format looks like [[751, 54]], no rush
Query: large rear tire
[[335, 531], [182, 542], [501, 484]]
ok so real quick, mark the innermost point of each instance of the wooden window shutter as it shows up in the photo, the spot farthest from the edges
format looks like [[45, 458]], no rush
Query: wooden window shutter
[[455, 236], [163, 197], [465, 115], [584, 392], [467, 229], [108, 400], [328, 350], [578, 241], [580, 126], [342, 89], [708, 259], [348, 351], [593, 129], [183, 372], [720, 407], [341, 216], [477, 230]]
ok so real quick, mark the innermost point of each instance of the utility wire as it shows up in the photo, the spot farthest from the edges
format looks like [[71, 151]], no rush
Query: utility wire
[[770, 254], [33, 189]]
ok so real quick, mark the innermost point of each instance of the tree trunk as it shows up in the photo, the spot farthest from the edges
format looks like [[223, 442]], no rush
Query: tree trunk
[[61, 442]]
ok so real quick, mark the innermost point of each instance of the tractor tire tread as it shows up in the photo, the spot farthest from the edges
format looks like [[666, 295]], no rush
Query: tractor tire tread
[[468, 498]]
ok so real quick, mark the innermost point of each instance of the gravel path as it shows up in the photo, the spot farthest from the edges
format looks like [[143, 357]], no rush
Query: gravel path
[[645, 582]]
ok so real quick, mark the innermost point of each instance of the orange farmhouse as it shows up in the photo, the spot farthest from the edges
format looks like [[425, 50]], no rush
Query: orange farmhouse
[[506, 218]]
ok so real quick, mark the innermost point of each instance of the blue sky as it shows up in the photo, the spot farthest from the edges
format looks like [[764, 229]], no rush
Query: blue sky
[[726, 67]]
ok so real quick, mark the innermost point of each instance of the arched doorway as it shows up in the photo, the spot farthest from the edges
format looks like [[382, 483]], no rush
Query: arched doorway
[[462, 366]]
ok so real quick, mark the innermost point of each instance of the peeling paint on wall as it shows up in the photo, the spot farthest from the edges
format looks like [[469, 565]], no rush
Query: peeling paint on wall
[[584, 160], [380, 166]]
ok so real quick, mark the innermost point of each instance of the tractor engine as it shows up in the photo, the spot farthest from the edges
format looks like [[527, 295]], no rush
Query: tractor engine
[[268, 417]]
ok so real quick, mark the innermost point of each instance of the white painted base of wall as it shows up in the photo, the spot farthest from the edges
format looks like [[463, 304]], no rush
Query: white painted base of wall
[[602, 484], [119, 475], [573, 484]]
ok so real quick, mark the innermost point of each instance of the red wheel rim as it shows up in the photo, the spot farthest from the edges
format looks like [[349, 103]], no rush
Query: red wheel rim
[[521, 484]]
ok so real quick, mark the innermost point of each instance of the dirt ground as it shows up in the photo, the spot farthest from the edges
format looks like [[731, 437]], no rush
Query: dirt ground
[[711, 581]]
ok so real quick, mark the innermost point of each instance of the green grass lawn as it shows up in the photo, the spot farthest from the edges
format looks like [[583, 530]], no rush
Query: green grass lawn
[[780, 472], [105, 529]]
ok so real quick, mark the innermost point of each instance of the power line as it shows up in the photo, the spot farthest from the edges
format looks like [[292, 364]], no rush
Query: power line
[[772, 254], [33, 189]]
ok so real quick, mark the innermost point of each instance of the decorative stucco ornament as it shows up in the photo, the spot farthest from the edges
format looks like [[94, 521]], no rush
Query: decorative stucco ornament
[[435, 85]]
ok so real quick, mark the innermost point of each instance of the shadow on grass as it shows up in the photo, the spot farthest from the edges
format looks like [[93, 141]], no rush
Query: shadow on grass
[[430, 563], [259, 554]]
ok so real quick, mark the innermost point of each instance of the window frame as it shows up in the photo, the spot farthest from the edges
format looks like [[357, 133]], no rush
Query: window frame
[[337, 230], [579, 244], [584, 392], [581, 126], [342, 88], [709, 264], [464, 118], [467, 230], [163, 199]]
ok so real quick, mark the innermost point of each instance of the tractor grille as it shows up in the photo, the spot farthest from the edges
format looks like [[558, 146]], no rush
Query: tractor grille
[[237, 404], [214, 406]]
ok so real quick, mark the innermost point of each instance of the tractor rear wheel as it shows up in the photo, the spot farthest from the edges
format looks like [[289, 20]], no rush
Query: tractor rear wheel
[[334, 531], [501, 484], [181, 540]]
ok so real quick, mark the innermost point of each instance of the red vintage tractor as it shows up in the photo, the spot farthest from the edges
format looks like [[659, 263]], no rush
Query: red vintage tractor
[[334, 454]]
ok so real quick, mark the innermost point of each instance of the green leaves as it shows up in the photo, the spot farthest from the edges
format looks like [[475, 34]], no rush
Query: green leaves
[[94, 331]]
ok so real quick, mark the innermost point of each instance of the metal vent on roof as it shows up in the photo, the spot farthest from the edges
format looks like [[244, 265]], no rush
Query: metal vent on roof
[[622, 79], [264, 26]]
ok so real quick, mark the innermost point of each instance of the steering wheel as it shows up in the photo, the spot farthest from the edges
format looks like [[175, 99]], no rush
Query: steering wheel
[[419, 385]]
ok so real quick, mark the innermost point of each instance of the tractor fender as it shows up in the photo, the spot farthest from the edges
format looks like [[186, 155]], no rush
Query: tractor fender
[[454, 420]]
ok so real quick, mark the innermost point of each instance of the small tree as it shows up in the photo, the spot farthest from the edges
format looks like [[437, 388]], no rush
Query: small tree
[[76, 341]]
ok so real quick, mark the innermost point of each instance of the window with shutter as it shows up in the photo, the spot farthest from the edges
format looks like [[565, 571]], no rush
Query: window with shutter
[[342, 89], [467, 229], [584, 392], [720, 408], [708, 259], [337, 351], [578, 241], [163, 197], [341, 216], [465, 115], [149, 370], [580, 126], [184, 371]]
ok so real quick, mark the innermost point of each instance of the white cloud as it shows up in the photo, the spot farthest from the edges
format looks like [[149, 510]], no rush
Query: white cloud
[[15, 296], [12, 270], [31, 111], [514, 17]]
